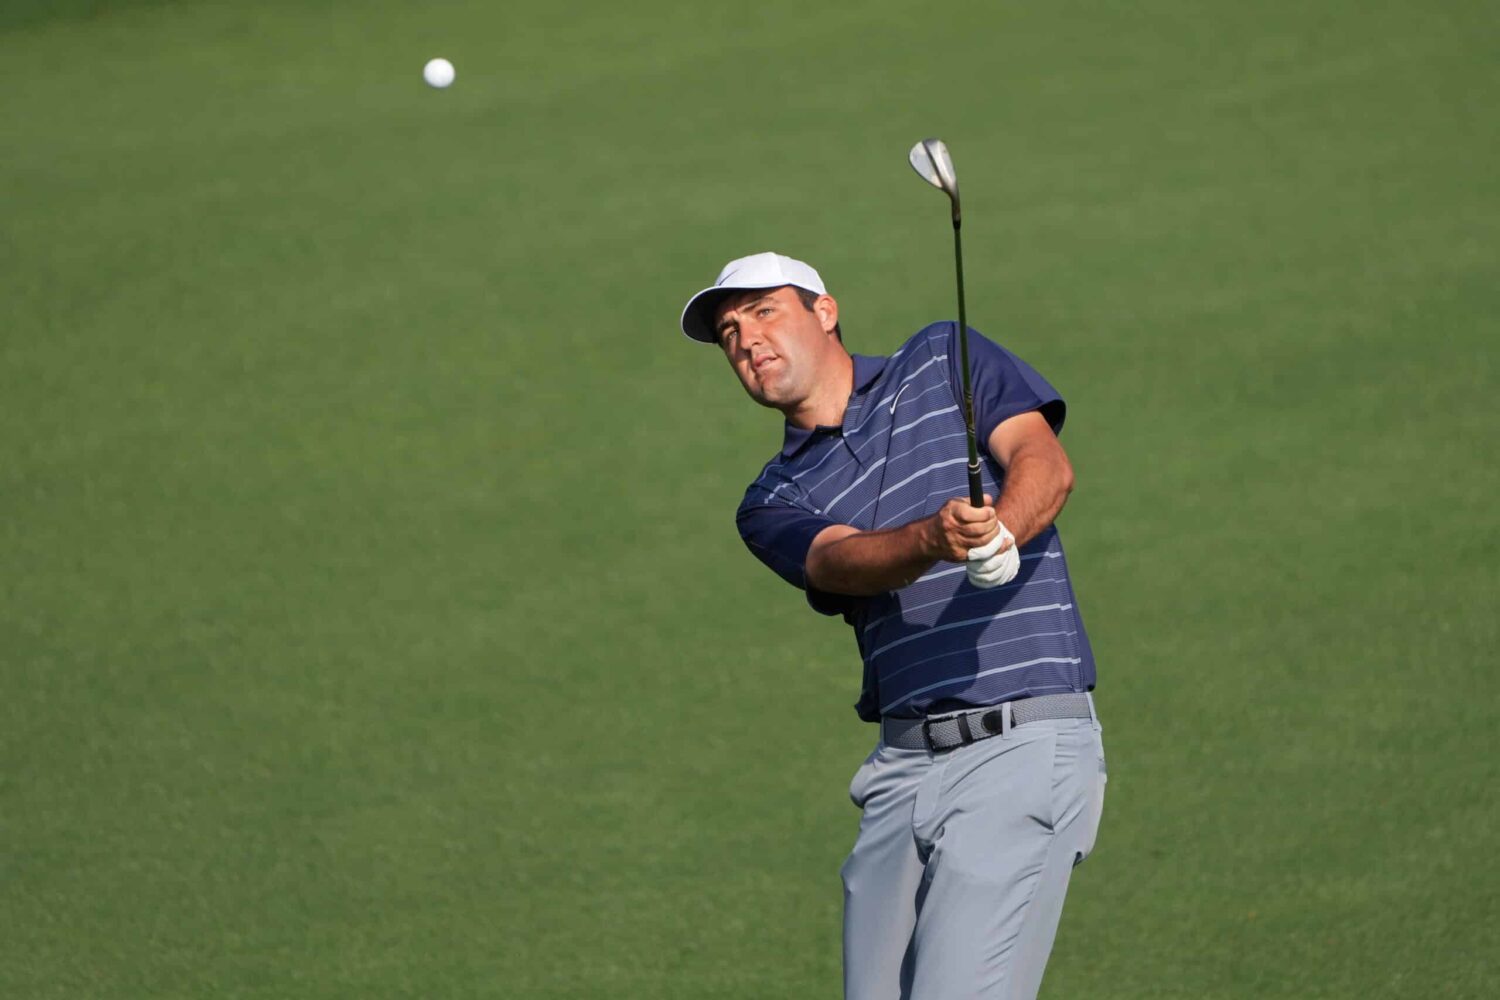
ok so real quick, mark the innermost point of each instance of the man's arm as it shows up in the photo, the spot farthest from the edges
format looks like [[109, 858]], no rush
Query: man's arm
[[1038, 478], [845, 560], [1038, 475]]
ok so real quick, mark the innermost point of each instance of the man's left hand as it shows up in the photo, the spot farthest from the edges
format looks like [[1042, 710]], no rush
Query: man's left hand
[[994, 563]]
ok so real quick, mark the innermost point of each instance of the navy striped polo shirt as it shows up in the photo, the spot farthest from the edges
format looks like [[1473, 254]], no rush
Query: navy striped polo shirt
[[940, 643]]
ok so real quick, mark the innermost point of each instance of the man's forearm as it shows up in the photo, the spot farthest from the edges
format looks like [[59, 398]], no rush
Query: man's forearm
[[1036, 487], [863, 563], [845, 560]]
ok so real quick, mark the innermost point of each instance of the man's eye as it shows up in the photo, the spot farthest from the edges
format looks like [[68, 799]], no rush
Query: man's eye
[[763, 310]]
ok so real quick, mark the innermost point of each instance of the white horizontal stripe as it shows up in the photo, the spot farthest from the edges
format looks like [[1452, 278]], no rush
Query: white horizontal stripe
[[942, 572], [902, 350], [826, 456], [915, 372], [959, 597], [920, 503], [883, 402], [837, 470], [896, 519], [924, 417], [960, 567], [860, 513], [960, 460], [1031, 690], [927, 632], [873, 466], [959, 489], [956, 489], [912, 399], [973, 649], [925, 442], [974, 677], [872, 410]]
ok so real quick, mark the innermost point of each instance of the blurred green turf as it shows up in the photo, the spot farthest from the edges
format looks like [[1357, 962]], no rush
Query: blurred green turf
[[373, 621]]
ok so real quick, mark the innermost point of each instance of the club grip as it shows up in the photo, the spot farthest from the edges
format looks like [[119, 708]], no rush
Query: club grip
[[976, 486]]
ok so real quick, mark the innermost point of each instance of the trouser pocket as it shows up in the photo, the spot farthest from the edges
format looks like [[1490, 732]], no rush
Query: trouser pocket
[[1094, 798], [864, 777]]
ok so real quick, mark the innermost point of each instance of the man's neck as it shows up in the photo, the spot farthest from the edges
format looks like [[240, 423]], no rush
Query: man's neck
[[825, 407]]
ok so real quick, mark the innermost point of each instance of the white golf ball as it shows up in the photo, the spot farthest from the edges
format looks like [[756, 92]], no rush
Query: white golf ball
[[438, 73]]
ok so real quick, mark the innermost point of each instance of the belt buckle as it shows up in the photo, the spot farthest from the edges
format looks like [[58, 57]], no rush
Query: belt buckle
[[966, 736]]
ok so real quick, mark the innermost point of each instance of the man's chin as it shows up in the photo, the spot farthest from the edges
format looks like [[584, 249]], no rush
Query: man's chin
[[771, 399]]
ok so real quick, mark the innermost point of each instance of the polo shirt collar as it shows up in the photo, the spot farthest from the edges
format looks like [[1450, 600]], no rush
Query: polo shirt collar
[[866, 371]]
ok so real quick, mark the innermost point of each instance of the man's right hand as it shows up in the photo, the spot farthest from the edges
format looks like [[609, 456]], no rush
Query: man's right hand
[[959, 527]]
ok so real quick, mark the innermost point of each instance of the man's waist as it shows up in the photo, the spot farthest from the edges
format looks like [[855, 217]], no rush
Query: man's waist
[[951, 730]]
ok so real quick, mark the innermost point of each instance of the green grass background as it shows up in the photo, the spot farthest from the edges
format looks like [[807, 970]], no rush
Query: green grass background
[[372, 618]]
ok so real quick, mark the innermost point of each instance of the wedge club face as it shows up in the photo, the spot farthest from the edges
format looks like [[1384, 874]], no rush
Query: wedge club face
[[930, 159]]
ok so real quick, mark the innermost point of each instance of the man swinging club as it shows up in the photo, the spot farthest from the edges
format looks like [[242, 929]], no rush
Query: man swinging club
[[985, 787]]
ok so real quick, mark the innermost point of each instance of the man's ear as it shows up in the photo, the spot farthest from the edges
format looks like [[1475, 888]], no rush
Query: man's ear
[[827, 311]]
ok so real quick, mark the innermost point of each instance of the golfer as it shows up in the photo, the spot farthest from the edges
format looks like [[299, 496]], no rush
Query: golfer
[[985, 786]]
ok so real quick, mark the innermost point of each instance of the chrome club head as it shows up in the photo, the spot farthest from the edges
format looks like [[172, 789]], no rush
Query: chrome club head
[[931, 160]]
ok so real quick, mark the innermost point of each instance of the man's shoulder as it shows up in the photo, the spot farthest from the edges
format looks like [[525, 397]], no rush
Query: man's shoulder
[[930, 341], [773, 481], [937, 338]]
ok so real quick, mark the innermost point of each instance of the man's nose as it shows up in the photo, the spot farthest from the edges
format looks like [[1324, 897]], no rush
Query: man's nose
[[751, 334]]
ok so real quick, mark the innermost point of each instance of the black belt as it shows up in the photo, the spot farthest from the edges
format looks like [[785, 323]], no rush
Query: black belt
[[958, 729]]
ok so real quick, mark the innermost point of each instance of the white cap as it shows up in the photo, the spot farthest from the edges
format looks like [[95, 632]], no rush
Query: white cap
[[761, 270]]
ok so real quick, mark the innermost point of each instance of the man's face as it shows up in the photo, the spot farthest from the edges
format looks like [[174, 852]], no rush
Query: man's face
[[775, 344]]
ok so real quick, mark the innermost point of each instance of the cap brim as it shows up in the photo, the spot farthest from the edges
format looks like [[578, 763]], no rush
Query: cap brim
[[697, 315]]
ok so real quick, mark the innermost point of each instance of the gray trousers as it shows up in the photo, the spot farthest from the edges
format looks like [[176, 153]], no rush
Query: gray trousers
[[955, 885]]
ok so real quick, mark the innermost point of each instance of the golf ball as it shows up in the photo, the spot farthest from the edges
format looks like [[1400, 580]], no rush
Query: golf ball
[[438, 73]]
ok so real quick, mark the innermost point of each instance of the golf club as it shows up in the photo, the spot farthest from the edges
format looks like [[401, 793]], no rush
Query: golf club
[[930, 159]]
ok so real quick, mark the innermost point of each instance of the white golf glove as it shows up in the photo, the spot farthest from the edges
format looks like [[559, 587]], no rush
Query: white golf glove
[[989, 567]]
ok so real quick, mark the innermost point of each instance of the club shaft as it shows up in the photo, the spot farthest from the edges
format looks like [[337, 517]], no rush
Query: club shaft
[[976, 484]]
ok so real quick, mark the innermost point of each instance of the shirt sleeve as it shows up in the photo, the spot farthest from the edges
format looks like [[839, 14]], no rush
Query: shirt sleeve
[[780, 535], [1004, 386]]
